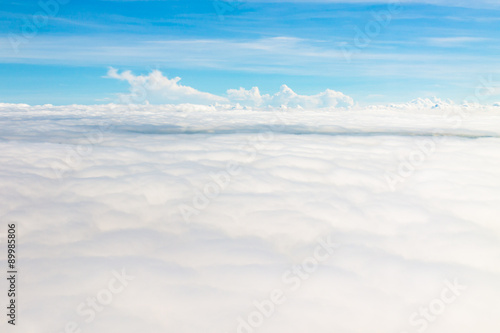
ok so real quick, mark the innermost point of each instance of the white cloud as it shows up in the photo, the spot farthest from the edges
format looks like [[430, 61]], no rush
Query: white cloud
[[159, 89], [244, 96], [420, 104], [451, 3], [155, 87], [454, 41], [288, 97], [272, 55], [321, 173]]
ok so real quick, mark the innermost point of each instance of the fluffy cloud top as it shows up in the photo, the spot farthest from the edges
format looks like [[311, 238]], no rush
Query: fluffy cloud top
[[156, 87], [286, 96], [126, 169], [159, 89]]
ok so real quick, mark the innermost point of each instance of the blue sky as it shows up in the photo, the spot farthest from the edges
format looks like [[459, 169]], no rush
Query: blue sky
[[427, 48]]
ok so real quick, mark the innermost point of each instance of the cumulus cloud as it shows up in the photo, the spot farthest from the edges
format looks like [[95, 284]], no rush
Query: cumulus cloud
[[287, 97], [157, 88]]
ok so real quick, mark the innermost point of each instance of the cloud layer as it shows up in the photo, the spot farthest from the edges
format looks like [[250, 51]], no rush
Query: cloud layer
[[125, 171]]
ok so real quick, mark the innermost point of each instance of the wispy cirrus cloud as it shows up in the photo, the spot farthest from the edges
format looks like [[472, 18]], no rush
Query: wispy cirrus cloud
[[454, 41], [448, 3], [280, 54]]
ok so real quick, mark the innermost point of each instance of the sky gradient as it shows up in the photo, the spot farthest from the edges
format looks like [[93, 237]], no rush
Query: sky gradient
[[374, 52]]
